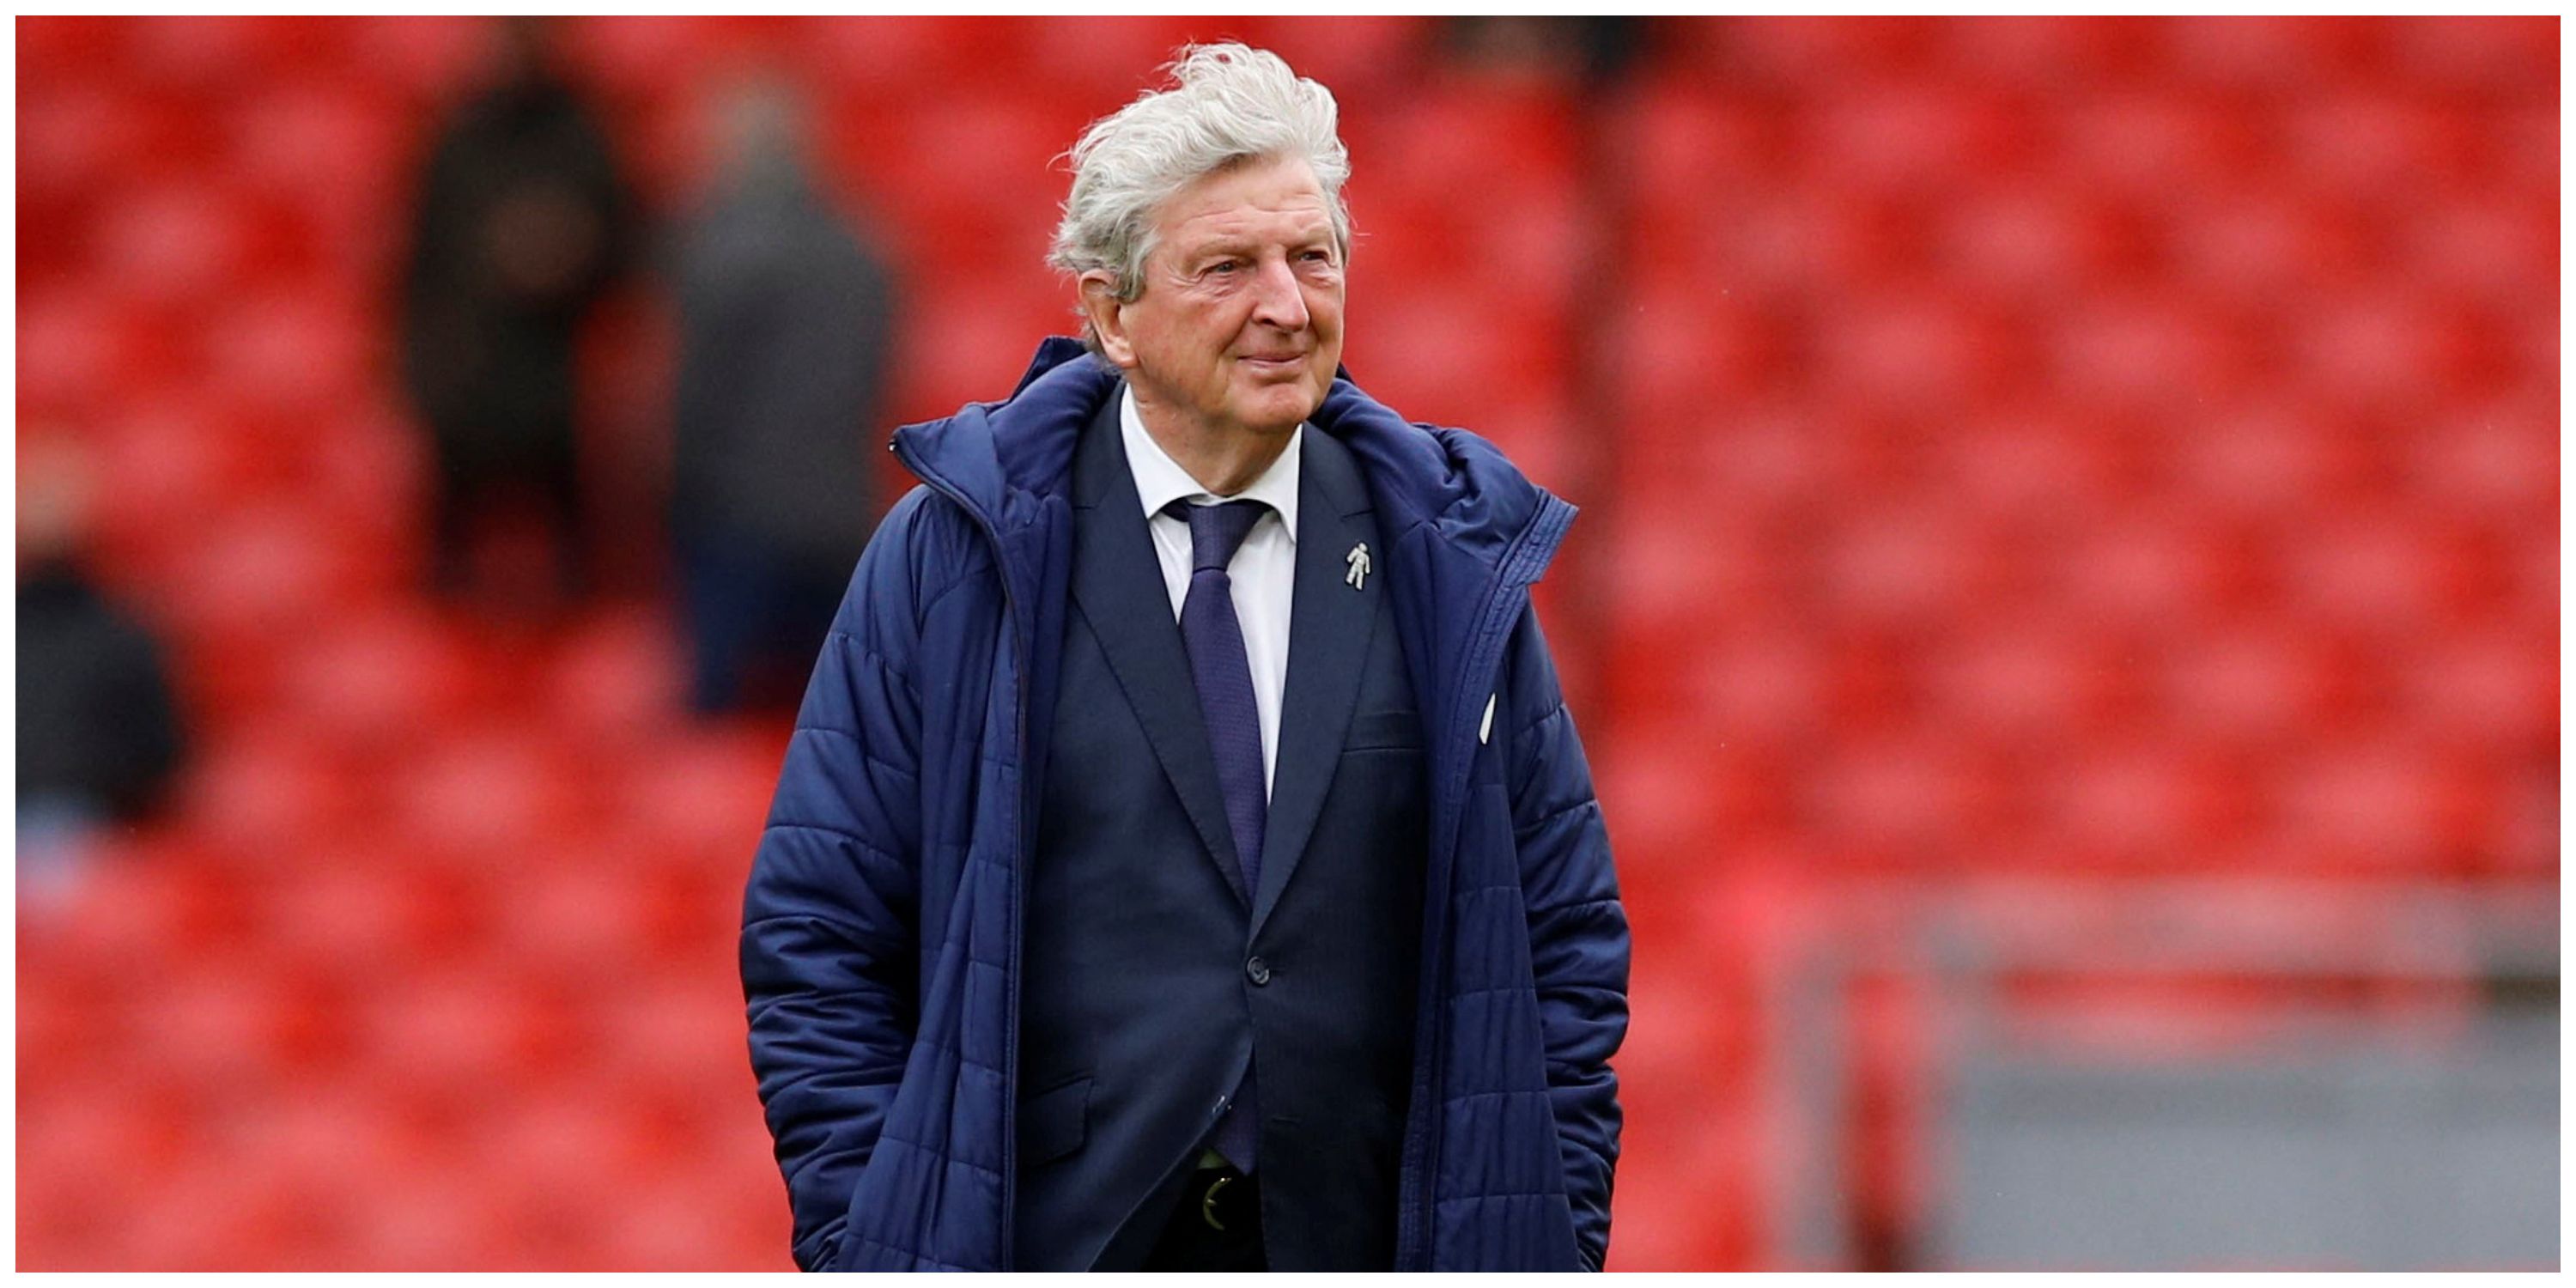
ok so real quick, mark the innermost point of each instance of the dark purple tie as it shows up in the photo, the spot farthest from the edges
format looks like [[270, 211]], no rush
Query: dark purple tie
[[1224, 679]]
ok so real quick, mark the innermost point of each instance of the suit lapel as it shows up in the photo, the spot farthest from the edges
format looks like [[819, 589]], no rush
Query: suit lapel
[[1118, 589], [1329, 625]]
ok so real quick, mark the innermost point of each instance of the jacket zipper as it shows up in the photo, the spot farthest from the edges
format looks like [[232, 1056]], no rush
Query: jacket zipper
[[1526, 553], [1019, 848]]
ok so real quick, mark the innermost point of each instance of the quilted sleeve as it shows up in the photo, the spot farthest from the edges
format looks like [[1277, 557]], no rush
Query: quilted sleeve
[[1578, 932], [830, 954]]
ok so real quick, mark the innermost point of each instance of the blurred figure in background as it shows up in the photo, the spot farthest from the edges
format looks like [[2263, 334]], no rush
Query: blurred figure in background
[[523, 223], [98, 732], [786, 316]]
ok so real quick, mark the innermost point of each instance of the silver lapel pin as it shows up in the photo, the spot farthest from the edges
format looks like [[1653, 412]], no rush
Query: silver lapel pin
[[1359, 562]]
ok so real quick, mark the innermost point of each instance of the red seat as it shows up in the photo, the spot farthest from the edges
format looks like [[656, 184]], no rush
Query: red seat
[[440, 1219], [1796, 239], [202, 53], [1429, 354], [2381, 805], [178, 241], [2129, 803], [380, 680], [630, 57], [2374, 572], [2028, 242], [2154, 350], [2388, 351], [2482, 54], [2252, 683], [428, 60], [579, 922], [482, 795], [1357, 55], [2270, 242], [900, 59], [1904, 799], [1682, 351], [2058, 52], [2485, 690], [363, 914], [2154, 141], [1911, 353], [53, 46], [294, 355], [617, 683], [272, 797], [1910, 138], [676, 1038], [79, 353], [225, 1025], [2022, 684], [968, 344], [2358, 142], [1918, 564], [2272, 52], [2149, 568], [471, 1037], [1777, 50], [707, 795], [139, 920], [1105, 62], [262, 572], [76, 136]]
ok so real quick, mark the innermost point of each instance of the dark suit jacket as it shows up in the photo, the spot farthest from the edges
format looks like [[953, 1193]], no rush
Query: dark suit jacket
[[1141, 998]]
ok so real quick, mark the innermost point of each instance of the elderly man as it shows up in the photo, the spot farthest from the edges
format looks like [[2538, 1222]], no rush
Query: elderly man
[[1185, 858]]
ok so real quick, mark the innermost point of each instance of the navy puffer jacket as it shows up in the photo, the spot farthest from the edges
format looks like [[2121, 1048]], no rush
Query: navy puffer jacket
[[881, 928]]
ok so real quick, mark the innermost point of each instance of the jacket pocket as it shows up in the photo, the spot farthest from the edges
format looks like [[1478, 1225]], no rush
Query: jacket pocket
[[1053, 1122], [1383, 730]]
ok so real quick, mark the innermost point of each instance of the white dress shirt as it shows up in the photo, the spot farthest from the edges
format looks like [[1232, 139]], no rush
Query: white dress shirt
[[1264, 570]]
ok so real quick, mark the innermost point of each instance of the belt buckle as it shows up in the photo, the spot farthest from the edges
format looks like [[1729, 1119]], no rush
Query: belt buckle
[[1207, 1200]]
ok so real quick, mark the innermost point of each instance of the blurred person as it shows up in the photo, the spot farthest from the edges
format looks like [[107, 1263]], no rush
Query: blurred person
[[99, 737], [1559, 46], [1185, 858], [523, 223], [786, 316]]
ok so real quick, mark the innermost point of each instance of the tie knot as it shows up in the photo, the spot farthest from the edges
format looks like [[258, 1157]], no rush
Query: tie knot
[[1216, 530]]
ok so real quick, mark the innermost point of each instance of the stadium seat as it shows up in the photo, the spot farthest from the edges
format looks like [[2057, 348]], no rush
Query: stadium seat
[[1773, 50], [2057, 53], [380, 681], [361, 915], [2383, 805], [485, 790], [181, 241], [1894, 802], [1364, 58], [425, 59], [2248, 683], [2271, 53]]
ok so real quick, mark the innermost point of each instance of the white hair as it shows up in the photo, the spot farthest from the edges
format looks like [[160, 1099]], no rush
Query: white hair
[[1228, 104]]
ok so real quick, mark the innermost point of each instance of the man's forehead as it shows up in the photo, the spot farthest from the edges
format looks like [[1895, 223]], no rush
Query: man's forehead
[[1273, 198], [1292, 222]]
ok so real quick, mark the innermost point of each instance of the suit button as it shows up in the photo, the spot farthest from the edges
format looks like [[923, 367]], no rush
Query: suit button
[[1258, 971]]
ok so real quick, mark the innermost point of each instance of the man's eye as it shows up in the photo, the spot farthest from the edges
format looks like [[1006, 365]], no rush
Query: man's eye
[[1225, 266]]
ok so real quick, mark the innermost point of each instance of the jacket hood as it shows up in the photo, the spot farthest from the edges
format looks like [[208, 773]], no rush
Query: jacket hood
[[1004, 457]]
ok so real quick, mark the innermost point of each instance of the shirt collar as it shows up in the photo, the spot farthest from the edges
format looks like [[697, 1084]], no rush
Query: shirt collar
[[1160, 480]]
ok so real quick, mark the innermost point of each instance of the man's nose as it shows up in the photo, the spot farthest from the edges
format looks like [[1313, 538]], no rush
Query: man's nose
[[1277, 298]]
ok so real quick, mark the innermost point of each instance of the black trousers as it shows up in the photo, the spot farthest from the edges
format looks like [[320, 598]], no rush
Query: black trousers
[[1215, 1226]]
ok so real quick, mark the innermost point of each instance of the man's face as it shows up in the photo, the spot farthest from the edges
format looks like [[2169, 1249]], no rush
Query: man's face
[[1239, 325]]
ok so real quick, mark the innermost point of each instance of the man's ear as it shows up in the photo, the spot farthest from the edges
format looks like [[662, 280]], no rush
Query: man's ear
[[1100, 304]]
